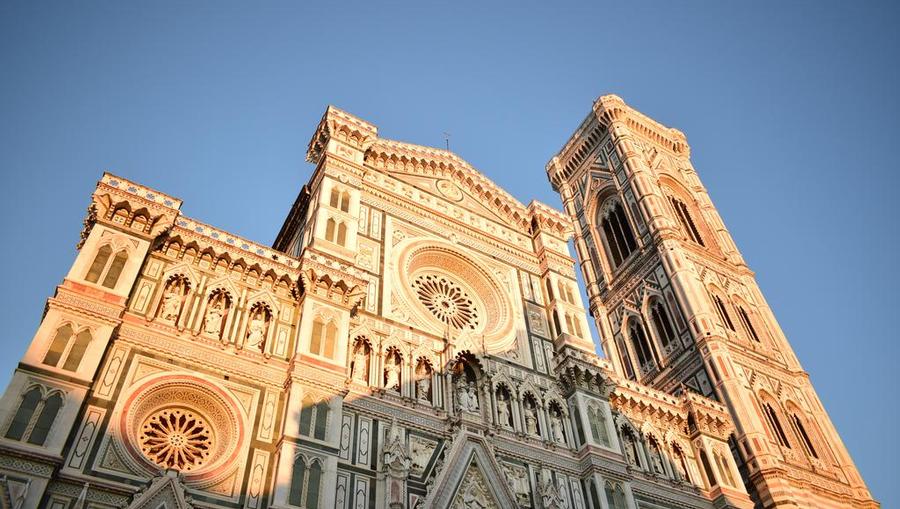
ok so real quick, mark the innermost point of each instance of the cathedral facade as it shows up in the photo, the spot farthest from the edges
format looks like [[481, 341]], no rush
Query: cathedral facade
[[415, 337]]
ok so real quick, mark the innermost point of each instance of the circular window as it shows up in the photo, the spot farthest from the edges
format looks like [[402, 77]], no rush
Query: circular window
[[443, 287], [447, 301], [185, 423], [176, 438]]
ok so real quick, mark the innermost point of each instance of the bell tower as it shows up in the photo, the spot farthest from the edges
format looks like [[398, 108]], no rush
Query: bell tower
[[678, 309]]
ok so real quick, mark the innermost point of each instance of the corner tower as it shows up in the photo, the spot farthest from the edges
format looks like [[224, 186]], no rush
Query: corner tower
[[677, 307]]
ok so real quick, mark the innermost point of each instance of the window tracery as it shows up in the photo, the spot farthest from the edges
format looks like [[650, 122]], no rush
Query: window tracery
[[34, 418], [176, 438], [103, 268], [68, 348], [306, 480], [324, 336], [447, 300], [617, 233], [314, 418]]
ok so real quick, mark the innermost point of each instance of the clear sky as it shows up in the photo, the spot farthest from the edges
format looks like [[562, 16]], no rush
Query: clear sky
[[791, 110]]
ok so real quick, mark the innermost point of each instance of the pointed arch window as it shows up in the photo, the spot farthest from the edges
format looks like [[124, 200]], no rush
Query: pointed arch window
[[775, 425], [687, 222], [642, 347], [323, 338], [722, 311], [724, 470], [340, 200], [305, 483], [314, 418], [800, 430], [615, 496], [102, 268], [662, 324], [625, 359], [618, 234], [597, 421], [748, 325], [35, 416], [64, 347]]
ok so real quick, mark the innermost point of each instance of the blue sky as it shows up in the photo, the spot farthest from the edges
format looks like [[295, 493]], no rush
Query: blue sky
[[791, 110]]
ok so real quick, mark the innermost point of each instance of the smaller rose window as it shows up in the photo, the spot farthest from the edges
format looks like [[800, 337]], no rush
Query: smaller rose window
[[176, 438], [447, 301]]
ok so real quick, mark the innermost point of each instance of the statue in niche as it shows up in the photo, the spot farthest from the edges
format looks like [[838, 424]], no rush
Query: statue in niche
[[472, 396], [556, 426], [629, 446], [392, 373], [360, 363], [656, 458], [171, 307], [423, 383], [256, 331], [503, 411], [462, 397], [214, 318], [531, 418]]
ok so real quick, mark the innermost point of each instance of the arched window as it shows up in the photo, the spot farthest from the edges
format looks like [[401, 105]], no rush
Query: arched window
[[722, 312], [615, 496], [662, 324], [99, 264], [707, 469], [340, 200], [306, 483], [597, 421], [748, 325], [724, 470], [62, 346], [330, 230], [341, 233], [73, 359], [313, 418], [687, 223], [24, 414], [298, 482], [323, 338], [641, 345], [775, 425], [35, 416], [45, 420], [101, 267], [800, 430], [625, 359], [618, 234], [58, 345], [115, 270]]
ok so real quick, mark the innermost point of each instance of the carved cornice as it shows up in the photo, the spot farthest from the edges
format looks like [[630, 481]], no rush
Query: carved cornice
[[114, 192], [332, 279], [341, 126]]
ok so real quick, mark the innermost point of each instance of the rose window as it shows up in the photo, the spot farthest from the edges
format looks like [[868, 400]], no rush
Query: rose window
[[447, 301], [176, 438]]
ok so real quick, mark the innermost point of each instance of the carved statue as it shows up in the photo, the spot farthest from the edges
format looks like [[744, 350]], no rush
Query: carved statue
[[423, 388], [656, 459], [359, 364], [171, 304], [472, 396], [517, 480], [628, 445], [214, 319], [556, 426], [503, 412], [462, 397], [531, 419], [256, 333], [392, 374]]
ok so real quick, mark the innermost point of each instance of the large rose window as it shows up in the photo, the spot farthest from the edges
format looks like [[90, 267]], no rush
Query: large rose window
[[447, 301], [443, 287], [185, 423], [176, 438]]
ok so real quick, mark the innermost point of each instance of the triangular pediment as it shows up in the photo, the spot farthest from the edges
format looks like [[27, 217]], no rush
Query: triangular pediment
[[164, 492], [447, 176], [471, 478]]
